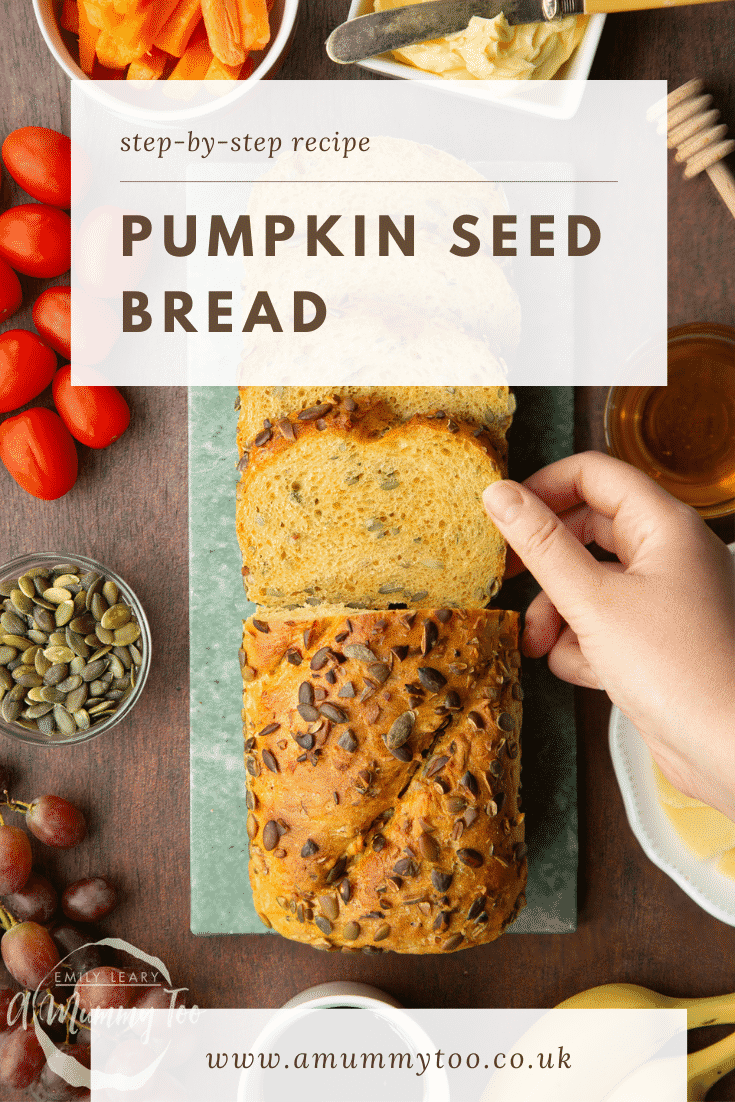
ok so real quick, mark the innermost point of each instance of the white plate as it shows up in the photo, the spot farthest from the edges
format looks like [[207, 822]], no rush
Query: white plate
[[712, 890], [555, 99]]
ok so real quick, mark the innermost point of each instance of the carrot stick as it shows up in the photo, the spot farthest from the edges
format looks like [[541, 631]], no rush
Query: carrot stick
[[70, 17], [218, 71], [113, 54], [101, 14], [148, 67], [256, 32], [195, 62], [144, 25], [174, 37], [88, 36]]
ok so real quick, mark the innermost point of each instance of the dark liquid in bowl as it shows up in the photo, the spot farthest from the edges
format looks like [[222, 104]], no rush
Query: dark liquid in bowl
[[683, 434]]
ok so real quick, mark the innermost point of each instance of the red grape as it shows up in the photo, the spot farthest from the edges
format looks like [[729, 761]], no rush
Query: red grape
[[29, 954], [15, 859], [57, 1088], [21, 1059], [77, 954], [56, 822], [105, 988], [88, 900], [34, 902]]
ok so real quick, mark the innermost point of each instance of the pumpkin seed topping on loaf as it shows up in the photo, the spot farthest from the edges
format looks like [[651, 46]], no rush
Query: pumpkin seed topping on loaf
[[339, 504], [490, 406], [383, 764]]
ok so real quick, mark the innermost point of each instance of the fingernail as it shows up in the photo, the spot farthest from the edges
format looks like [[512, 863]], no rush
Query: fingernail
[[503, 501]]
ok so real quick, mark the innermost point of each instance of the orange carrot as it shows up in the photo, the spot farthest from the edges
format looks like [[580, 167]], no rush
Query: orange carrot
[[148, 67], [195, 62], [256, 32], [218, 71], [88, 36], [144, 25], [113, 54], [70, 17], [174, 37], [101, 14]]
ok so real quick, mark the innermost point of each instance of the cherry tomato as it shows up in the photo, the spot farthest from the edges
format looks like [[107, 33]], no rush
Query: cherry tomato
[[40, 161], [52, 318], [27, 366], [39, 452], [35, 239], [95, 415], [11, 294]]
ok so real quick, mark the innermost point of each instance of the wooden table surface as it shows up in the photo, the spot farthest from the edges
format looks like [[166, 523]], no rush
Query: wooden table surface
[[129, 510]]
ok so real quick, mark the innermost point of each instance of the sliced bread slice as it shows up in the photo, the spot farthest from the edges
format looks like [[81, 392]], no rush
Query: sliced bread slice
[[342, 505]]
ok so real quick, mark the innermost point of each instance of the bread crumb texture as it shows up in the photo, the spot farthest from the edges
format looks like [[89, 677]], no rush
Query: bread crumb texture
[[340, 504]]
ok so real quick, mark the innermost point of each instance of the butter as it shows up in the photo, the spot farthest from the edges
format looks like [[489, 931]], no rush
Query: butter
[[704, 831], [490, 49]]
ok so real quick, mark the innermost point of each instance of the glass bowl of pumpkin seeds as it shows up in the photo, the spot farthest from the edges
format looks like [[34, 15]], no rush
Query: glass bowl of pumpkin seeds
[[75, 649]]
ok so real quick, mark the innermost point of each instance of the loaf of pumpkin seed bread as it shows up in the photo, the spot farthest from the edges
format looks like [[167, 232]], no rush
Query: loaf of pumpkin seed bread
[[342, 504], [262, 407], [383, 765]]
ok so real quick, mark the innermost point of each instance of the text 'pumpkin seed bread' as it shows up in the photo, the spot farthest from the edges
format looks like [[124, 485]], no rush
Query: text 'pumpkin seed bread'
[[490, 406], [383, 765], [339, 504]]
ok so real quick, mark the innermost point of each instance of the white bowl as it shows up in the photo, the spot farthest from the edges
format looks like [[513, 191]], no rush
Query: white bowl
[[556, 99], [710, 889], [283, 24]]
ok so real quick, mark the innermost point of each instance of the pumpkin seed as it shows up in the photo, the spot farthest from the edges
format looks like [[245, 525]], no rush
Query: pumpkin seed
[[57, 595], [7, 654], [46, 724], [64, 613], [26, 586], [64, 720], [126, 635], [82, 720], [51, 695], [58, 655], [116, 617], [21, 602]]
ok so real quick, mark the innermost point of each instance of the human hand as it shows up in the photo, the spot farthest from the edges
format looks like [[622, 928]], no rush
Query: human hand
[[656, 629]]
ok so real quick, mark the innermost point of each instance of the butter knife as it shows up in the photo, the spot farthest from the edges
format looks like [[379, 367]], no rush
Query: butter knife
[[380, 32]]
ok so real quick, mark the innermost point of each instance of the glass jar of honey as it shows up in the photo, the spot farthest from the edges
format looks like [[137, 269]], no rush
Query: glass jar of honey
[[683, 434]]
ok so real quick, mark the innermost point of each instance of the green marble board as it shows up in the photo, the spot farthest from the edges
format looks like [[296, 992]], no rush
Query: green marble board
[[221, 901]]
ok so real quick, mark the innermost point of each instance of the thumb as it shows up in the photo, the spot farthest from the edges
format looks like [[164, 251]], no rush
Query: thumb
[[564, 568]]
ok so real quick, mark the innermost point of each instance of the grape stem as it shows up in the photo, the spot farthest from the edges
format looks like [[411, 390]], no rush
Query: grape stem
[[15, 805], [7, 921]]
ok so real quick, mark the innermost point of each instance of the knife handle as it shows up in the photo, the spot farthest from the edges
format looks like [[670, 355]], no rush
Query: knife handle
[[591, 6]]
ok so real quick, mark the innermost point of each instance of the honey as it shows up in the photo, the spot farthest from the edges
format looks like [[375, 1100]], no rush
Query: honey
[[683, 434]]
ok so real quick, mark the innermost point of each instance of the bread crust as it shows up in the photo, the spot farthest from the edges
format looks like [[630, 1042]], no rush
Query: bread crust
[[490, 406], [366, 423], [354, 846]]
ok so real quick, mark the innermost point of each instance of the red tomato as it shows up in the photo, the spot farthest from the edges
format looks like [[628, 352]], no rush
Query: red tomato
[[27, 366], [95, 415], [35, 239], [40, 161], [39, 452], [11, 294], [52, 318]]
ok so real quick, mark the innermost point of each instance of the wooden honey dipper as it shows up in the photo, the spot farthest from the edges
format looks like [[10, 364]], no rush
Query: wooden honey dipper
[[699, 140]]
